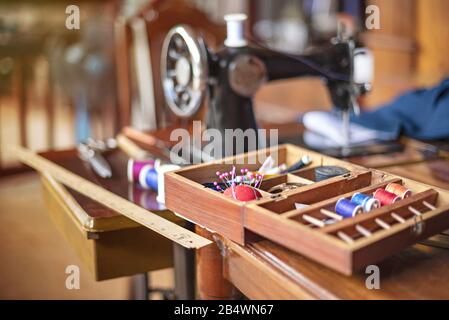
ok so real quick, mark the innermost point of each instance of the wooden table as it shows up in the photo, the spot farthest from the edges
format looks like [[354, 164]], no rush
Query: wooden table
[[265, 270]]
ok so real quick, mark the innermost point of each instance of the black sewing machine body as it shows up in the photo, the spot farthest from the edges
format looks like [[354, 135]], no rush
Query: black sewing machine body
[[237, 73], [230, 77]]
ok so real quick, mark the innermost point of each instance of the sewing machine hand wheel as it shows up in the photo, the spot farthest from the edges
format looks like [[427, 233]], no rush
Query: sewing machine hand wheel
[[184, 70]]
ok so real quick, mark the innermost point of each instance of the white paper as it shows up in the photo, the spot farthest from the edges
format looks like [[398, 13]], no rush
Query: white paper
[[327, 131]]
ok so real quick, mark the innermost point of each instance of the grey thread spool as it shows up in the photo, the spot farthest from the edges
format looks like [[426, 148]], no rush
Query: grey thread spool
[[328, 172]]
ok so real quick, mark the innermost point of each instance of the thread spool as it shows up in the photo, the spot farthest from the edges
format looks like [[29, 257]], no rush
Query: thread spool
[[135, 166], [348, 209], [367, 202], [363, 66], [398, 190], [162, 170], [235, 30], [148, 178], [386, 198]]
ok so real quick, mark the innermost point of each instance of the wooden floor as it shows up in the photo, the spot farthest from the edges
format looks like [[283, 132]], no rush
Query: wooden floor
[[34, 255]]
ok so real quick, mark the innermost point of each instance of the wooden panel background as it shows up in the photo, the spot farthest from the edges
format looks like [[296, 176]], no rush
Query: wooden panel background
[[394, 47], [433, 39]]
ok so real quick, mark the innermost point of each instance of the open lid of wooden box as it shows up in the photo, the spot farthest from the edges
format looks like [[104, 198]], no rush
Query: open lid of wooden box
[[345, 245]]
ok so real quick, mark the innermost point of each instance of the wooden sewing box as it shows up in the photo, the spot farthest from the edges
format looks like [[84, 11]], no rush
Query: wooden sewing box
[[275, 217]]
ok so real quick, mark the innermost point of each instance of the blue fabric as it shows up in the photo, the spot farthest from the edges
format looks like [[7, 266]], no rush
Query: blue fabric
[[421, 114]]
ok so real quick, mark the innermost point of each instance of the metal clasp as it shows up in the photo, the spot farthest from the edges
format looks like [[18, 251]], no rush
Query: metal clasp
[[418, 226]]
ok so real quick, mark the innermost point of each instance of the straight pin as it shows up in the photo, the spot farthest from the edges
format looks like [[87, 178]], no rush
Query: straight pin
[[331, 215], [383, 224], [398, 218], [415, 211], [365, 232], [343, 236], [314, 221], [428, 205]]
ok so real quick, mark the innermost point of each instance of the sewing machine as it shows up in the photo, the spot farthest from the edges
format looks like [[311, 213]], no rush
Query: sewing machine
[[230, 77]]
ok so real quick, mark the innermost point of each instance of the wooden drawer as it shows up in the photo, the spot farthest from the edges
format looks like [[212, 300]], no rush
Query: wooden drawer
[[110, 246], [340, 246]]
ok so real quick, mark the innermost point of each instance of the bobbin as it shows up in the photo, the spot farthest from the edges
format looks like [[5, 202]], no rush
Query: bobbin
[[135, 166]]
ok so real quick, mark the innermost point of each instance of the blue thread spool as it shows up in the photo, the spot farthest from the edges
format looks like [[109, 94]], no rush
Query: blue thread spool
[[148, 178], [367, 202], [347, 209]]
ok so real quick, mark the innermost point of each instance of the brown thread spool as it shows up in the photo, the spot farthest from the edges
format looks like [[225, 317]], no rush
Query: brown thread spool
[[398, 190]]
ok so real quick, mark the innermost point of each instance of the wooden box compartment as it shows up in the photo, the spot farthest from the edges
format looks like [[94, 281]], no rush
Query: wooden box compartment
[[347, 245]]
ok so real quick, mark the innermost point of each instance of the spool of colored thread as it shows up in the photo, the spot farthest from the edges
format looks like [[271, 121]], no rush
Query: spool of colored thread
[[399, 190], [162, 170], [135, 166], [328, 172], [148, 178], [386, 198], [367, 202], [347, 209]]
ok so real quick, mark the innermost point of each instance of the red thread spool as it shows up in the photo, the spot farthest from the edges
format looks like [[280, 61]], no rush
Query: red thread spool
[[386, 198], [399, 190]]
